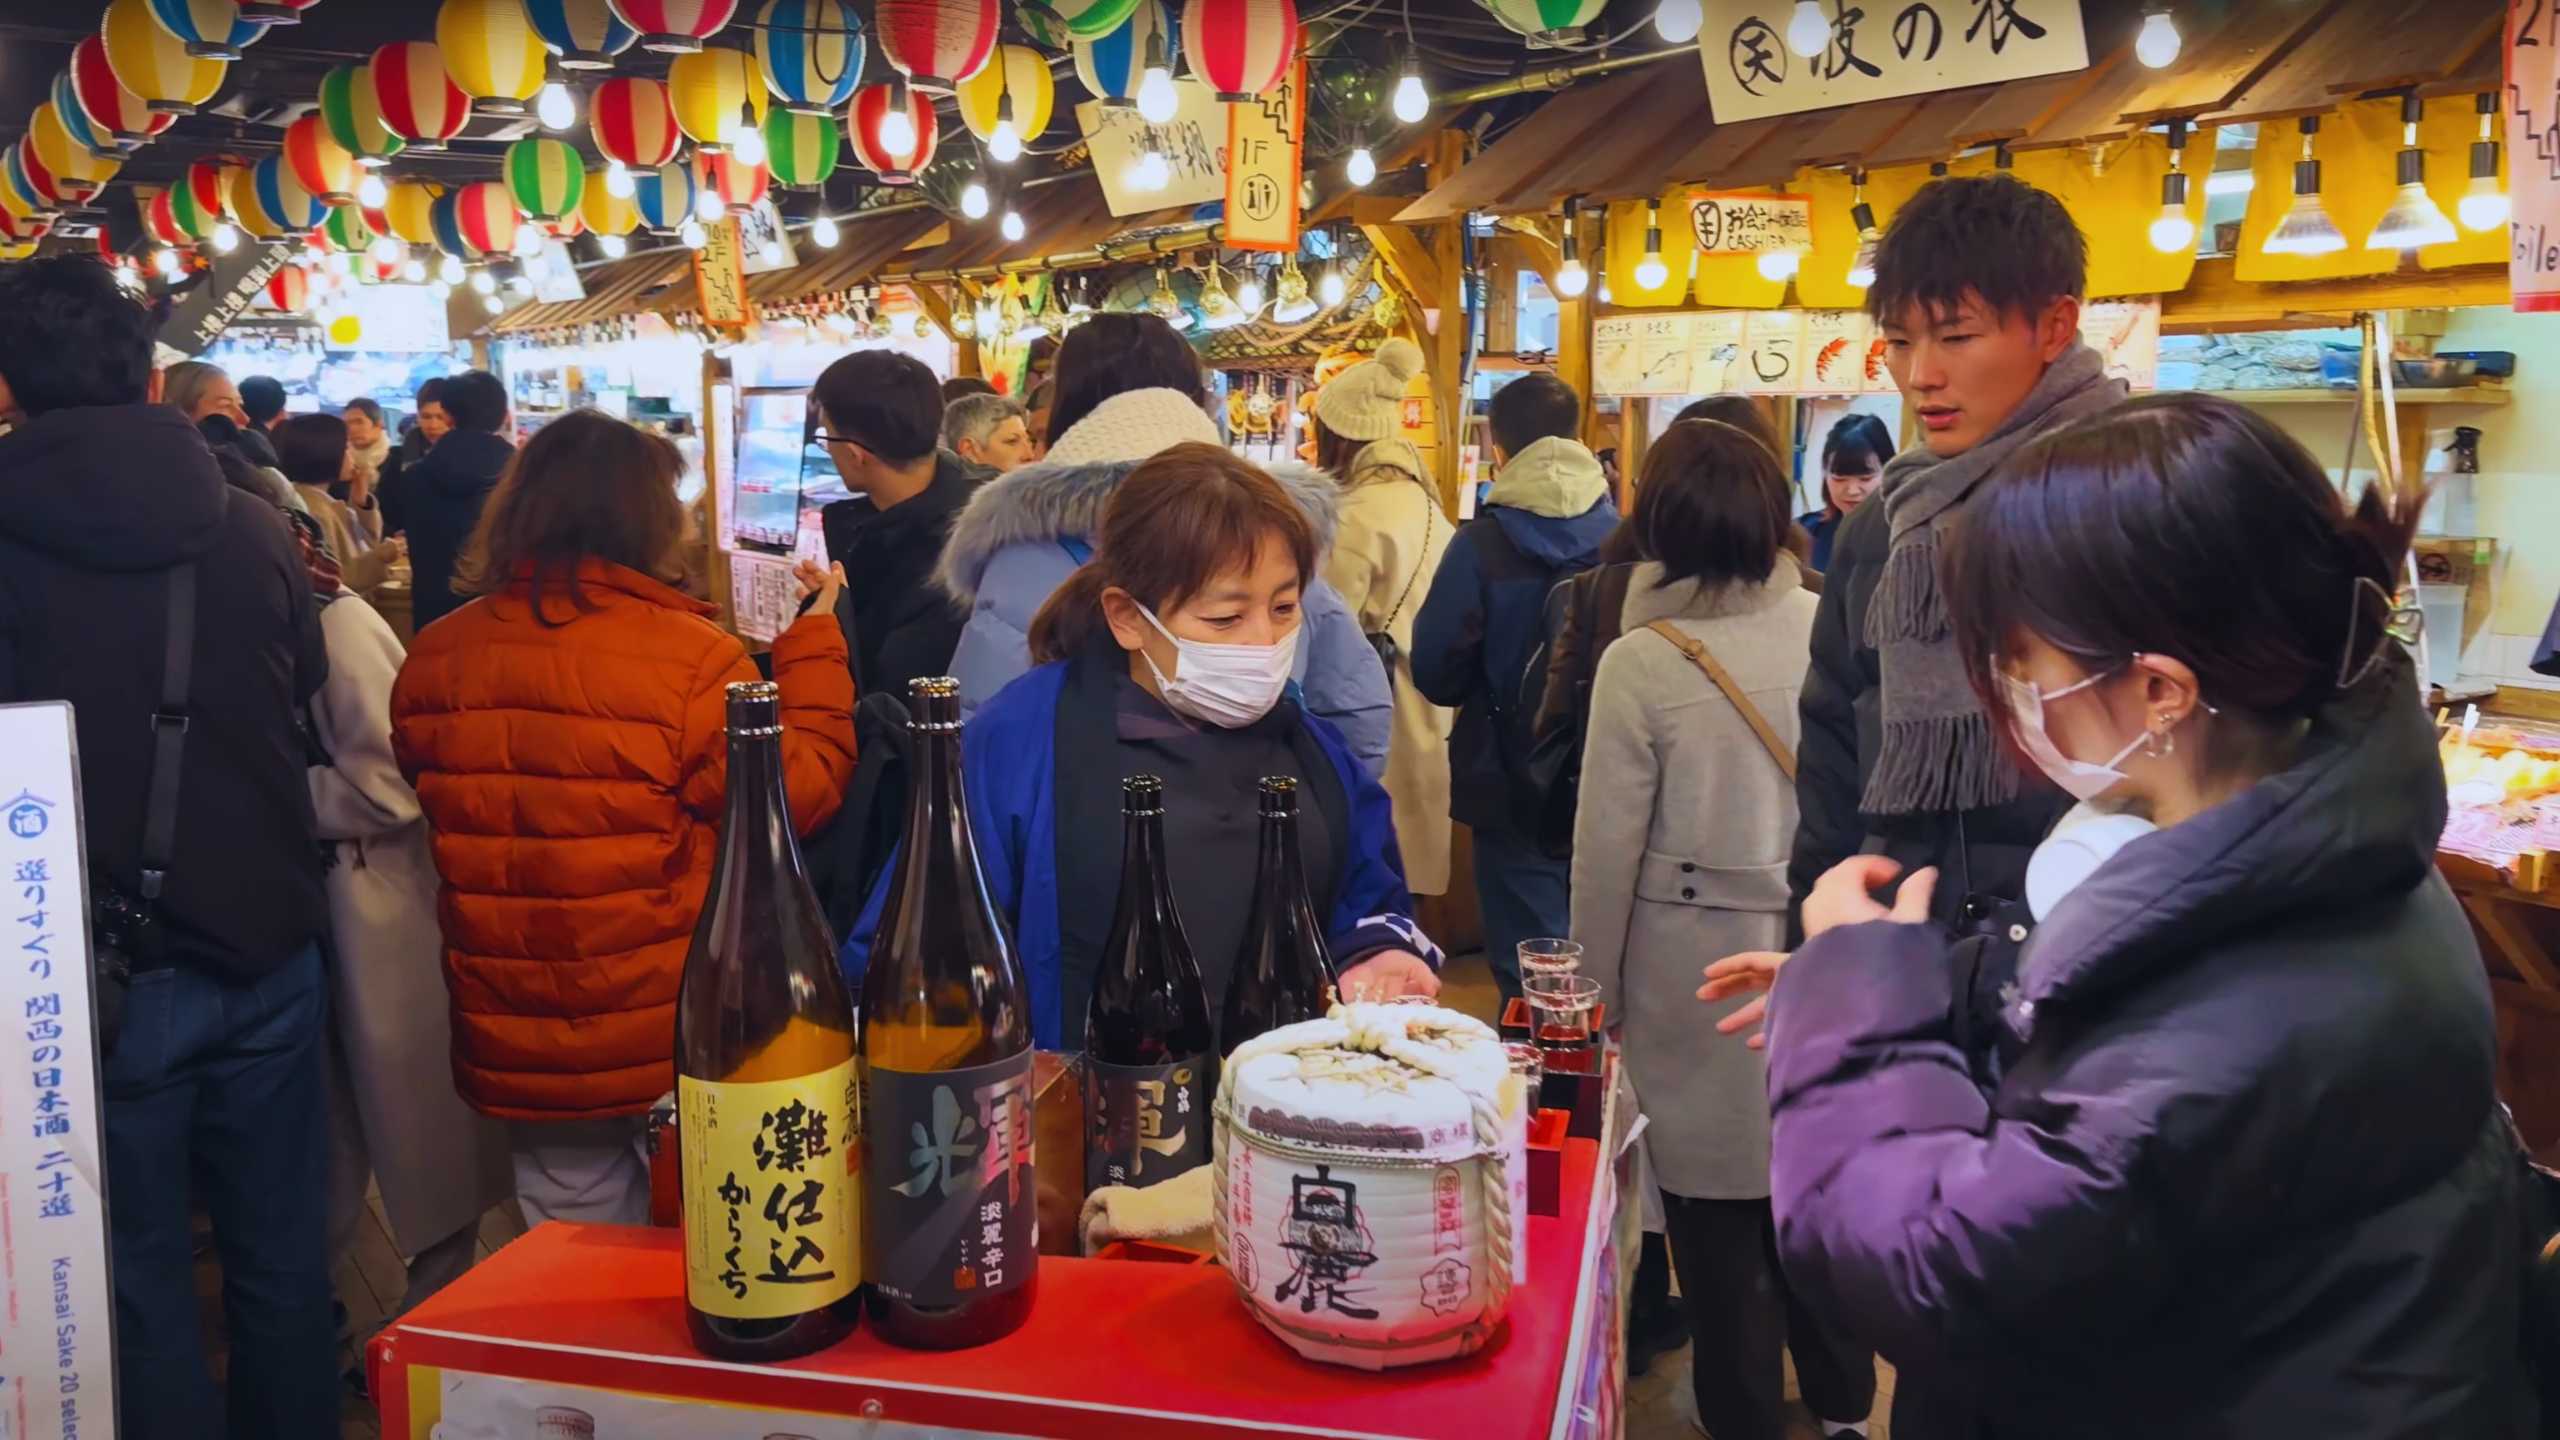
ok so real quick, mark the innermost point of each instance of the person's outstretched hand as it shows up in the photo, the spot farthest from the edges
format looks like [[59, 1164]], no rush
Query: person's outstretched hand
[[1840, 897]]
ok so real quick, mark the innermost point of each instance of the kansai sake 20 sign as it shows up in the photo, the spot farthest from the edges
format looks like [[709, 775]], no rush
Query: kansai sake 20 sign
[[2533, 152]]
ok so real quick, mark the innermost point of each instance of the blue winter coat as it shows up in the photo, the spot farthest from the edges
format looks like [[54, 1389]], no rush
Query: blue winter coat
[[1044, 807]]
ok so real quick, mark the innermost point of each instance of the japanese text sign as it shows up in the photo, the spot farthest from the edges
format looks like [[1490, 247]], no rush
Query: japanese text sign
[[1748, 222], [720, 277], [1192, 144], [1876, 51], [2533, 151], [1263, 149], [202, 313]]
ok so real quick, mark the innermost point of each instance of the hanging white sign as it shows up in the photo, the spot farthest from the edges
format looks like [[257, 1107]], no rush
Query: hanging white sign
[[1751, 222], [1877, 52], [1193, 144]]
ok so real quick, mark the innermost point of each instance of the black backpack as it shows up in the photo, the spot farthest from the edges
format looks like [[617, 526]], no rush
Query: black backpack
[[1583, 614]]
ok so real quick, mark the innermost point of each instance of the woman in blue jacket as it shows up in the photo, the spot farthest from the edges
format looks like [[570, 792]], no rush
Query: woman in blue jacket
[[1168, 653]]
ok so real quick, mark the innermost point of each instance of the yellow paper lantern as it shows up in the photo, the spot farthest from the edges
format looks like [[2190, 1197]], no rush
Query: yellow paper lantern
[[491, 51], [411, 210], [1018, 74], [605, 212], [153, 63], [72, 163], [716, 92], [240, 198]]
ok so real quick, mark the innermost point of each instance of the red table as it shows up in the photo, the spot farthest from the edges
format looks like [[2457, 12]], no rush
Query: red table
[[1114, 1350]]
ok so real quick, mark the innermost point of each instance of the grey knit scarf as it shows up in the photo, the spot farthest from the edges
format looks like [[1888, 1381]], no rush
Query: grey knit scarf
[[1939, 750]]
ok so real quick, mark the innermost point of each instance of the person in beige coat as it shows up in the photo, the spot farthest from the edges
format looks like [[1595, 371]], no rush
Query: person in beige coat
[[1679, 856], [1385, 552]]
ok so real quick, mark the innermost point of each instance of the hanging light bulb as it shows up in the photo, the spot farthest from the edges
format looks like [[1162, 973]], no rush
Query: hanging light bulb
[[519, 286], [528, 240], [1011, 225], [226, 238], [617, 180], [2306, 228], [1412, 100], [693, 235], [557, 109], [973, 199], [1362, 167], [614, 246], [824, 233], [1158, 171], [898, 122], [1249, 294], [1165, 305], [707, 204], [1330, 287], [449, 269], [2157, 44], [413, 270], [917, 326], [1004, 143], [371, 193], [1651, 273], [483, 282], [1605, 297], [1779, 264], [746, 143], [493, 304], [1808, 30], [166, 261], [2413, 220], [385, 250], [440, 290], [1292, 303], [2484, 204], [2174, 233], [990, 319], [1157, 102], [1571, 278], [770, 252], [1677, 21]]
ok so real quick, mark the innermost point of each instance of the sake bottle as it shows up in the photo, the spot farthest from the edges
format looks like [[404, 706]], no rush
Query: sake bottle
[[1150, 1045], [1283, 974]]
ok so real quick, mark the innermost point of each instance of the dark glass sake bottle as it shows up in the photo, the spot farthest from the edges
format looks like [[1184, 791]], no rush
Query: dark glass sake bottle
[[765, 1081], [1284, 974], [1150, 1043], [949, 1205]]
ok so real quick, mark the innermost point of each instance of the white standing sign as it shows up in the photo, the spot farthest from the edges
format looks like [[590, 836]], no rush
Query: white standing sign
[[57, 1350], [1874, 52]]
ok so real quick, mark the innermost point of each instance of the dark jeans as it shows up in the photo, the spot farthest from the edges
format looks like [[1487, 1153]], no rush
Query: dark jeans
[[224, 1083], [1740, 1315], [1524, 895]]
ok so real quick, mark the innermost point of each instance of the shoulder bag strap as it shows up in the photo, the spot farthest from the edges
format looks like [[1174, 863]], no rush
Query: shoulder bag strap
[[169, 732], [1430, 509], [1696, 649]]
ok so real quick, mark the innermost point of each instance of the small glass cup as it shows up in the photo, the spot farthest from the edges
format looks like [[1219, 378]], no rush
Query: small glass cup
[[1549, 957], [1529, 1063], [1560, 1014]]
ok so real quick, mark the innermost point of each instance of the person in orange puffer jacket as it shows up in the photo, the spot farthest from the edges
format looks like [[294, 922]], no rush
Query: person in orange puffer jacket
[[565, 735]]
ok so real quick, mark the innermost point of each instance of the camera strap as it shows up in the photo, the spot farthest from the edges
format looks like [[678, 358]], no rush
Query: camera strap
[[169, 734]]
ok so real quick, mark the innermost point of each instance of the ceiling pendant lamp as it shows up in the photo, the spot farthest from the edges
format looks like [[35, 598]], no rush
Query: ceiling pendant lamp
[[1290, 302], [893, 129], [1166, 305], [2306, 228], [1572, 278], [2174, 233], [1651, 272], [1113, 65], [1009, 102], [2484, 204], [2414, 220]]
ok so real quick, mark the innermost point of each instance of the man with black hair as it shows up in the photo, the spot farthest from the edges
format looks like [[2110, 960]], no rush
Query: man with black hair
[[441, 496], [121, 546], [1478, 631], [880, 414]]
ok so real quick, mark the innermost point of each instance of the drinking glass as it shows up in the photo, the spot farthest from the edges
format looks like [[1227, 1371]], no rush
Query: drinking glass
[[1549, 957], [1529, 1063], [1560, 1013]]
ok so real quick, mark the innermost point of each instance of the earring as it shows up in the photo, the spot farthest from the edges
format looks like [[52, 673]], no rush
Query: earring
[[2160, 743]]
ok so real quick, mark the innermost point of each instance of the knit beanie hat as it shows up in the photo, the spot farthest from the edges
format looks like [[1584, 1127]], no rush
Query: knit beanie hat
[[1366, 402]]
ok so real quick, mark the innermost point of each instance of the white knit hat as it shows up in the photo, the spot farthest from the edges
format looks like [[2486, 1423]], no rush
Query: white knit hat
[[1366, 402]]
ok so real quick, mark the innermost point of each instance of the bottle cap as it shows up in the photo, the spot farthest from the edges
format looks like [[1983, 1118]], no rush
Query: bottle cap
[[1142, 795], [1279, 795], [755, 708]]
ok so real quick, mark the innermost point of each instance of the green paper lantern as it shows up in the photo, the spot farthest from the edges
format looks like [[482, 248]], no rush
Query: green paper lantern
[[1546, 22], [803, 149], [545, 176], [352, 112], [347, 228]]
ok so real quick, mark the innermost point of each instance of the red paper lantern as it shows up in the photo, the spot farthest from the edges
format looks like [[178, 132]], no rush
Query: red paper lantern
[[937, 44], [324, 167], [106, 102], [675, 27], [14, 231], [738, 186], [206, 187], [566, 227], [420, 103], [290, 289], [486, 215], [634, 120], [1240, 47], [161, 223], [871, 104]]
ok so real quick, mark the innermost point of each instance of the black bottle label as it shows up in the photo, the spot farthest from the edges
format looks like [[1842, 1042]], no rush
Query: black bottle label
[[1145, 1124], [947, 1181]]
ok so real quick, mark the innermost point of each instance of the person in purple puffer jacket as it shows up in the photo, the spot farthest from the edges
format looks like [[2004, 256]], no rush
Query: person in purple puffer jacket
[[2222, 1157]]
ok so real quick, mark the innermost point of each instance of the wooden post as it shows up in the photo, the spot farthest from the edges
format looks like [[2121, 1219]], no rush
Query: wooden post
[[1539, 241], [1448, 353], [964, 348]]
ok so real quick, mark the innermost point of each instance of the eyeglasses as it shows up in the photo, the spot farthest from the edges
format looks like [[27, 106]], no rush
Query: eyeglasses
[[825, 437]]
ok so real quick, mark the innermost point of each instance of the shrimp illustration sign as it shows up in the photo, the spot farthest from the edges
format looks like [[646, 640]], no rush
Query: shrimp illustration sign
[[1880, 49]]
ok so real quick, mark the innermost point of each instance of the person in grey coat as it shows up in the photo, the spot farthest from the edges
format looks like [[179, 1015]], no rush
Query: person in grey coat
[[1128, 387], [1679, 856]]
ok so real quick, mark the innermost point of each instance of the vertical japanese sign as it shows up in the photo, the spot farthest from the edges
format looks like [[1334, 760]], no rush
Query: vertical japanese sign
[[1879, 51], [2533, 151], [201, 315], [720, 277], [57, 1355], [1264, 142]]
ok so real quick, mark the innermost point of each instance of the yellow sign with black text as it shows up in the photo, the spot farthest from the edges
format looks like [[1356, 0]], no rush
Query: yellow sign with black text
[[1265, 143], [720, 277]]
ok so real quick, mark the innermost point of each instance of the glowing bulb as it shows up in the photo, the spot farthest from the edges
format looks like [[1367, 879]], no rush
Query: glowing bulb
[[2173, 233], [1572, 279], [440, 290], [226, 237], [1605, 297], [1010, 225], [449, 269], [384, 250], [2484, 206], [693, 235], [1249, 294], [1361, 168], [898, 132], [973, 200], [824, 233], [1330, 289], [528, 240], [1157, 102], [746, 145], [1412, 101], [483, 282], [617, 180], [2157, 45], [519, 286], [493, 304], [414, 270], [989, 321], [707, 204], [1808, 30], [166, 262], [1677, 21], [1862, 269], [557, 109], [1651, 273], [2306, 229], [1779, 264], [371, 193], [614, 246], [1005, 145], [770, 252]]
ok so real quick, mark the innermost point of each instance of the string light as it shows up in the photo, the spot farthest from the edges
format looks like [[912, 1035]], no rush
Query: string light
[[1677, 21], [371, 193], [693, 235], [1571, 278], [2157, 44], [707, 204], [614, 246], [1004, 143], [483, 282], [1808, 30], [823, 231], [2306, 228], [2413, 220], [2174, 233], [1157, 102], [413, 270], [973, 199], [1362, 167], [449, 270], [898, 123], [557, 109], [2484, 205], [1011, 225], [1412, 99], [770, 252], [617, 180], [1651, 273], [226, 238]]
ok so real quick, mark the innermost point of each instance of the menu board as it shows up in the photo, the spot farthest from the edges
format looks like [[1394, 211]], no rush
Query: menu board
[[1813, 352]]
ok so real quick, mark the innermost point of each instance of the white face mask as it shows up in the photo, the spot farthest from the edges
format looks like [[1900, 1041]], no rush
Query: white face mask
[[1229, 686], [2078, 778]]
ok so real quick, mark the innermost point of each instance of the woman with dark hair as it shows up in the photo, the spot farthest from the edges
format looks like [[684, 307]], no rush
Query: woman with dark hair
[[565, 732], [1129, 387], [1679, 852], [1853, 457], [2224, 1155], [1141, 668]]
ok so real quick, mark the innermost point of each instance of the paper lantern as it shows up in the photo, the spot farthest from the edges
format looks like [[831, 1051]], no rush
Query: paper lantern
[[419, 100], [348, 227], [801, 148], [154, 64], [212, 29], [605, 212], [199, 201], [1240, 47], [410, 210], [810, 51], [446, 221], [492, 52], [276, 12], [123, 115], [1093, 19], [486, 214], [1112, 65], [675, 27], [663, 195], [1038, 21], [77, 171], [862, 126], [585, 34], [290, 290], [634, 122], [282, 194], [29, 190], [325, 167], [714, 92], [937, 44], [84, 132], [565, 227], [544, 176], [352, 111], [243, 207], [738, 186], [1546, 22], [16, 231], [160, 220], [1017, 73]]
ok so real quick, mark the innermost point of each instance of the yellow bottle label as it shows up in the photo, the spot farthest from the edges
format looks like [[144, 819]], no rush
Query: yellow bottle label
[[772, 1199]]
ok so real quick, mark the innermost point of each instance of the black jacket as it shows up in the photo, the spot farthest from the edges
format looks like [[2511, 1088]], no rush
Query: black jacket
[[102, 502], [902, 624], [1978, 852], [440, 502]]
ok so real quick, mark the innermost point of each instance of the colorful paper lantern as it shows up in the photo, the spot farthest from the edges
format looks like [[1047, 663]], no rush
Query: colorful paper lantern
[[352, 110], [77, 171], [326, 168], [634, 122], [84, 132], [160, 221], [282, 194], [420, 102], [487, 216], [276, 12], [545, 176], [1546, 22], [35, 178], [492, 52], [348, 227], [937, 44], [675, 27], [1037, 20], [123, 115], [18, 231], [584, 34], [714, 91], [1112, 65], [411, 210], [738, 186], [290, 290], [605, 212], [1093, 19], [565, 227], [663, 195], [811, 52], [1018, 74], [801, 148], [446, 222], [211, 29], [199, 202], [154, 64], [18, 193], [862, 126], [243, 207], [1240, 47]]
